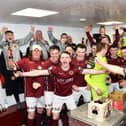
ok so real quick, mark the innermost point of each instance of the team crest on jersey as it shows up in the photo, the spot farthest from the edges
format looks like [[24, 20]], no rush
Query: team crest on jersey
[[71, 72], [14, 46], [39, 67]]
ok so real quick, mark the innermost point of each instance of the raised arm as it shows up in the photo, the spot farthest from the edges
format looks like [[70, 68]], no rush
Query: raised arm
[[51, 36], [88, 34], [2, 32], [117, 35], [27, 38]]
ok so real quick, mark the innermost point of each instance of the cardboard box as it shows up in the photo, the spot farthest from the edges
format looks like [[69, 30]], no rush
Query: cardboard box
[[99, 110], [118, 96]]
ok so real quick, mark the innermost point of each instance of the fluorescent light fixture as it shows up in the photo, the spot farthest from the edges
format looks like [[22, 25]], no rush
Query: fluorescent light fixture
[[31, 12], [83, 19], [110, 23]]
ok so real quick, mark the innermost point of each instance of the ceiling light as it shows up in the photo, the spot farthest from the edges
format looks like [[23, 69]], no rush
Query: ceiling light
[[110, 23], [82, 19], [31, 12]]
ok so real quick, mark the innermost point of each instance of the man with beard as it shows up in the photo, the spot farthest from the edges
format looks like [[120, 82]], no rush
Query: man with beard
[[34, 86]]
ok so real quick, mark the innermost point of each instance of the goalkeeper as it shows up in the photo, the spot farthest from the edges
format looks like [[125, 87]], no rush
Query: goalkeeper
[[99, 88]]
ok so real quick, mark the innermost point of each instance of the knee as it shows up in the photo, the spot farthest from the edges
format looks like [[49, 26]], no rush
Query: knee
[[39, 110], [31, 115], [55, 116], [48, 112]]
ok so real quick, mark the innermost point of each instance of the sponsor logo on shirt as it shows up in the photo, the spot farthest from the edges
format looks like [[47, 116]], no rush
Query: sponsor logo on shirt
[[65, 81], [71, 72]]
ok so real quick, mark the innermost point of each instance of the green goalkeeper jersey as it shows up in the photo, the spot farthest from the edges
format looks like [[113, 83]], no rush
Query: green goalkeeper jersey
[[98, 80]]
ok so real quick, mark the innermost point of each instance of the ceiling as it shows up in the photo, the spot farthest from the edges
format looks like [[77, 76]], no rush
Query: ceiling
[[70, 11]]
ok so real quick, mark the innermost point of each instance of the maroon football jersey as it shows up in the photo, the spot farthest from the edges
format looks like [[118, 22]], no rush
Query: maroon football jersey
[[49, 80], [117, 61], [79, 78], [63, 80], [27, 65], [123, 62]]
